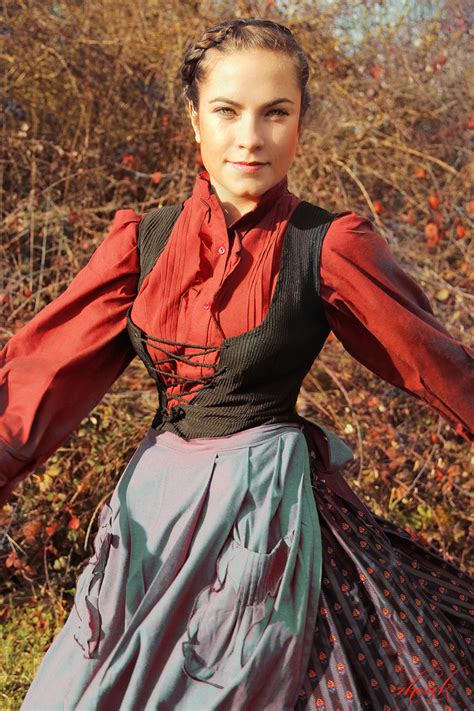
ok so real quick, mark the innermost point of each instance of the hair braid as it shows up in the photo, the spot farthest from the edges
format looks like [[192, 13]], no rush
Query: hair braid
[[231, 35]]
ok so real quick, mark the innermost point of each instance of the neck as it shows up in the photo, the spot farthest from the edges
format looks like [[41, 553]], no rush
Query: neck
[[236, 207], [233, 213]]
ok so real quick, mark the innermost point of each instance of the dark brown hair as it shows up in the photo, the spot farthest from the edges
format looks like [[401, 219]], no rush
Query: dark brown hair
[[238, 34]]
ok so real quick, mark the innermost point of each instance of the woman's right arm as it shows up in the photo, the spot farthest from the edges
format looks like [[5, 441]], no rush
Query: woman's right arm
[[58, 366]]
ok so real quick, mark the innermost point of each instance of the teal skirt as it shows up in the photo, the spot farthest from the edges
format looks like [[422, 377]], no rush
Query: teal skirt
[[202, 592]]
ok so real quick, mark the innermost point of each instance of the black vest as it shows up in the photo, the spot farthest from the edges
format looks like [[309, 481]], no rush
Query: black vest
[[259, 372]]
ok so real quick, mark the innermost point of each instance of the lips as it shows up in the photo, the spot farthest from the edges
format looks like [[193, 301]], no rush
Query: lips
[[249, 168], [255, 162]]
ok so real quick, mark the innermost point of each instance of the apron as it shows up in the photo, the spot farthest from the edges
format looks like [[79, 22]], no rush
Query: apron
[[203, 588]]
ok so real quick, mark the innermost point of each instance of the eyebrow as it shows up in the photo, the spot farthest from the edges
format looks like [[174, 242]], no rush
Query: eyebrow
[[265, 106]]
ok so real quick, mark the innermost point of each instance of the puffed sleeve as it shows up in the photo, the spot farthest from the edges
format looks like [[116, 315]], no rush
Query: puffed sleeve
[[58, 366], [384, 320]]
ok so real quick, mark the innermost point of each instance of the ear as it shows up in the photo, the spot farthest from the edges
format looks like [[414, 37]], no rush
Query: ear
[[194, 121]]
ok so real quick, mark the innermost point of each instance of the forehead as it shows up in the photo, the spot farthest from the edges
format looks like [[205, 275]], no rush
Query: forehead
[[246, 68]]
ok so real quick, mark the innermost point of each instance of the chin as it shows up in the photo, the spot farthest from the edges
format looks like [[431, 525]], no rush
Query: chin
[[250, 190]]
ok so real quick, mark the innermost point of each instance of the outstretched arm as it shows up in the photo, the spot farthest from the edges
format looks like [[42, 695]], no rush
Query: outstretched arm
[[56, 368], [384, 320]]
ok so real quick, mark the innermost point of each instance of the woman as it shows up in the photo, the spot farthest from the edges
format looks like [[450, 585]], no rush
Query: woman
[[233, 567]]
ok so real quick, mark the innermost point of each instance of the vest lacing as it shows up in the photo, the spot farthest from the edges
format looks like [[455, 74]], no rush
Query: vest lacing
[[177, 412]]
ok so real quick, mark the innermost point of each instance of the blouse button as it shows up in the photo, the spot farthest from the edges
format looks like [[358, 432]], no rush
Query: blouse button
[[221, 250]]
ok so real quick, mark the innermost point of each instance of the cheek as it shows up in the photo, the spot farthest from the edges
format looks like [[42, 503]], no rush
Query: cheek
[[288, 135], [215, 136], [290, 142]]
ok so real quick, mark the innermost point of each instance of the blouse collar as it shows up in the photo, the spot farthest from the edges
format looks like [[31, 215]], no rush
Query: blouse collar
[[202, 191]]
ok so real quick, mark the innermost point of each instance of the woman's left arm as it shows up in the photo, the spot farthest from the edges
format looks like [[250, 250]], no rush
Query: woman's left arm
[[384, 320]]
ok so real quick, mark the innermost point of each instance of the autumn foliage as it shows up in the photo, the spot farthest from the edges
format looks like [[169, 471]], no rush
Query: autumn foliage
[[93, 123]]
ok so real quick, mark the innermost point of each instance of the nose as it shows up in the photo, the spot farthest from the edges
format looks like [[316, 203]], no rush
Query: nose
[[250, 133]]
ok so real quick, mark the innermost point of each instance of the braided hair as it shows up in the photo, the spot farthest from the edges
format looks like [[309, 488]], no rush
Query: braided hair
[[238, 34]]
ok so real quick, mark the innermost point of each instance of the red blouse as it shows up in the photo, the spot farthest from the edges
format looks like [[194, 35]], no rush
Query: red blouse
[[213, 282]]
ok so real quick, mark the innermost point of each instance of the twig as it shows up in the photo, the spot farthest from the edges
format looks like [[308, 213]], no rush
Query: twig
[[363, 191], [421, 154], [395, 503], [91, 522], [333, 375]]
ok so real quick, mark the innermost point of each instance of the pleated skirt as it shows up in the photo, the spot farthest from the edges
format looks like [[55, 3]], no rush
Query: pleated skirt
[[228, 575]]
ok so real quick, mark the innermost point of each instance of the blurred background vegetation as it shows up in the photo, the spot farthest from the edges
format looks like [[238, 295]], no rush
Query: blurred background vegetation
[[93, 122]]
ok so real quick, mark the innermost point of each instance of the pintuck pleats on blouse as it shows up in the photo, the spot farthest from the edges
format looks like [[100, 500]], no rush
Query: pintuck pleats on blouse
[[213, 282]]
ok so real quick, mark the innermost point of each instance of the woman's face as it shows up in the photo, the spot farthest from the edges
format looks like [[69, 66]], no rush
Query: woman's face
[[236, 123]]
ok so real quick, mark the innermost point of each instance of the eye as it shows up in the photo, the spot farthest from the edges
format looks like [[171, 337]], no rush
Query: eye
[[282, 112], [224, 108]]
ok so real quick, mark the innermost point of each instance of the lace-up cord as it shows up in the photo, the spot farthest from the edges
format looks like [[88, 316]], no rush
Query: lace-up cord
[[176, 411], [182, 359], [179, 343]]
